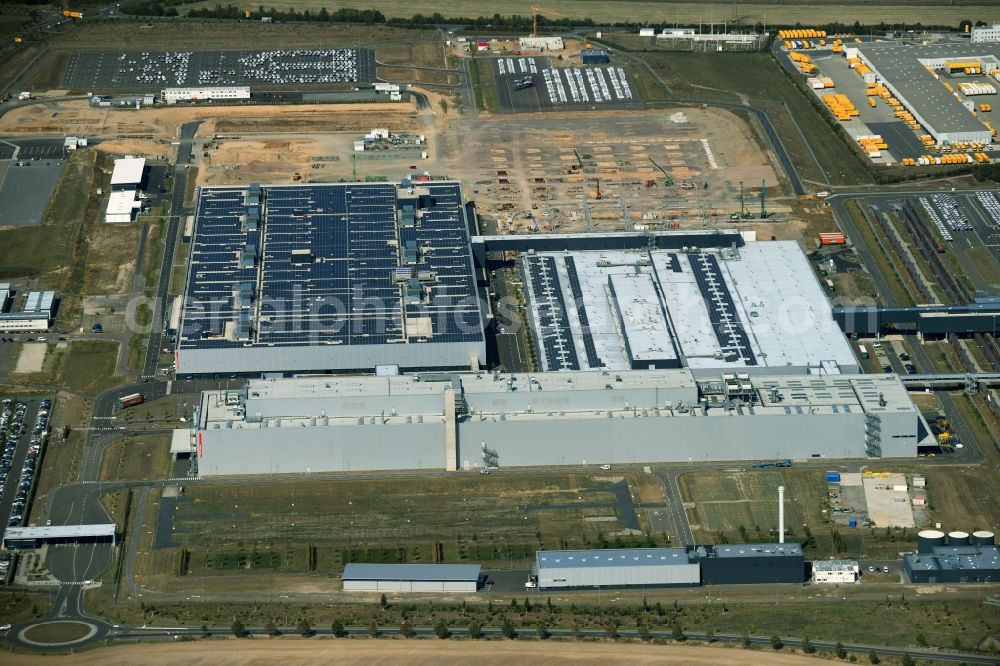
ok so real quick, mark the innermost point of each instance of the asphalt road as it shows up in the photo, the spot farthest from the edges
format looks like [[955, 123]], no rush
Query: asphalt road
[[177, 212]]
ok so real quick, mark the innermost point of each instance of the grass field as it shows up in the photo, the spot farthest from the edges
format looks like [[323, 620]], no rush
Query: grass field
[[85, 366], [140, 458], [317, 526], [656, 13], [727, 500], [737, 77], [45, 252], [141, 34], [111, 259]]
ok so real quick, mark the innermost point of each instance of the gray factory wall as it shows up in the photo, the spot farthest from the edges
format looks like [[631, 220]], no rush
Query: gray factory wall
[[247, 360], [338, 404], [314, 449], [619, 576], [554, 400], [899, 434], [647, 439]]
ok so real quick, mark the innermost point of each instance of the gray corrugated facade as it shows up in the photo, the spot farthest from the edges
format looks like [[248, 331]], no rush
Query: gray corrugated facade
[[667, 567], [373, 423], [411, 577]]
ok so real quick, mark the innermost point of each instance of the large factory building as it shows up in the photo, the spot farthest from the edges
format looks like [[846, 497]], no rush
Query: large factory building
[[918, 75], [340, 277], [756, 309], [476, 420], [670, 567]]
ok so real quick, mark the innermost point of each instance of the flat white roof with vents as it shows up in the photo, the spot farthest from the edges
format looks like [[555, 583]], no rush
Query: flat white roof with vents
[[128, 171]]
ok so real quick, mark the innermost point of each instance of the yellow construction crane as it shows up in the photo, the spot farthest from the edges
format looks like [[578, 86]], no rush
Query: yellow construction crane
[[535, 11]]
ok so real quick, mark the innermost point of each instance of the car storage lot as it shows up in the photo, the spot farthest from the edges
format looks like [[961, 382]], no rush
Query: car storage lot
[[154, 70], [561, 89], [20, 420]]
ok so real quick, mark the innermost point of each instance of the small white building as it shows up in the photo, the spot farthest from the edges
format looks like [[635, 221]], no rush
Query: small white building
[[122, 205], [540, 43], [411, 577], [127, 174], [35, 317], [986, 33], [835, 571], [207, 93]]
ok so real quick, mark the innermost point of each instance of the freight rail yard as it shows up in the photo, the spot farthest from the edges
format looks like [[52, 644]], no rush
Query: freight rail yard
[[399, 325]]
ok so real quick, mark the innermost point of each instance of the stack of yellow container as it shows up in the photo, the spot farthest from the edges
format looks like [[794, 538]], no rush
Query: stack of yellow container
[[908, 161], [873, 144], [802, 33], [841, 106], [838, 46], [982, 158], [985, 108]]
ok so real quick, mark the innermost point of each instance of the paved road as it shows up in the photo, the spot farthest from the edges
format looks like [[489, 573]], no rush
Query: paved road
[[177, 212]]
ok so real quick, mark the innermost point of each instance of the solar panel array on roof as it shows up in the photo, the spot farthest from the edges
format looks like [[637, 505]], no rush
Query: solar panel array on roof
[[722, 311], [307, 265], [558, 350], [588, 338]]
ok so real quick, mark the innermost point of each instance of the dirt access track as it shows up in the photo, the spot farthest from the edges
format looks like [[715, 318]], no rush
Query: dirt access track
[[78, 118], [293, 650]]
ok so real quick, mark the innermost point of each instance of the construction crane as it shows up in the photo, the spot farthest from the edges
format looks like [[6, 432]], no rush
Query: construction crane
[[669, 180], [535, 11]]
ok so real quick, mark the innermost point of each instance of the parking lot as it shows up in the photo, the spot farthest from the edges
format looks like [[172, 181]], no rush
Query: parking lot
[[26, 185], [23, 431], [154, 70], [532, 84]]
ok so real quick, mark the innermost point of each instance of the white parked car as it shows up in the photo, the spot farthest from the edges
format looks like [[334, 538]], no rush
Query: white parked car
[[605, 466]]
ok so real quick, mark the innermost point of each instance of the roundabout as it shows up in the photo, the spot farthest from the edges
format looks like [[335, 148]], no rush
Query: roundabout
[[58, 633]]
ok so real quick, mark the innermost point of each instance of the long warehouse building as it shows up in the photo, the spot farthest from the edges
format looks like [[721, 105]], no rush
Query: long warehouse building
[[336, 277], [917, 75], [476, 420], [756, 309], [670, 567]]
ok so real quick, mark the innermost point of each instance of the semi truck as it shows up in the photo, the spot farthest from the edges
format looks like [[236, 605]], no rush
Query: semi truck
[[130, 400]]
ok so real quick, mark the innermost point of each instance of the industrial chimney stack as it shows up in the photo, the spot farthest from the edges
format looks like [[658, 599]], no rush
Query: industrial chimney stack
[[781, 514]]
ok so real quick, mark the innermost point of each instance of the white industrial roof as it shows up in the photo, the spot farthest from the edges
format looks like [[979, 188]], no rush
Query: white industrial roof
[[777, 300], [59, 531], [642, 320], [128, 171], [834, 565], [122, 202], [337, 401]]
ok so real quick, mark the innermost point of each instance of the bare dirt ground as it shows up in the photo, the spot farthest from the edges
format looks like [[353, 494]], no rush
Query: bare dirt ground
[[291, 650], [79, 118], [32, 358], [552, 163]]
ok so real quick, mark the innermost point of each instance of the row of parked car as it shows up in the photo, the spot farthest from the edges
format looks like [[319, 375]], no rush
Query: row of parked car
[[14, 430]]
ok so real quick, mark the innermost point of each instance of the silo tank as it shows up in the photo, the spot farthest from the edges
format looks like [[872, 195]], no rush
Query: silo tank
[[927, 540], [983, 538], [958, 538]]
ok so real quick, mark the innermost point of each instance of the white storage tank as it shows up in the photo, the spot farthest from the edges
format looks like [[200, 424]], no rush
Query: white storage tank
[[983, 538], [958, 538]]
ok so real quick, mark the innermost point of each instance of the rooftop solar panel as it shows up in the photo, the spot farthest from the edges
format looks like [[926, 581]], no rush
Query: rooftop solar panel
[[322, 263]]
